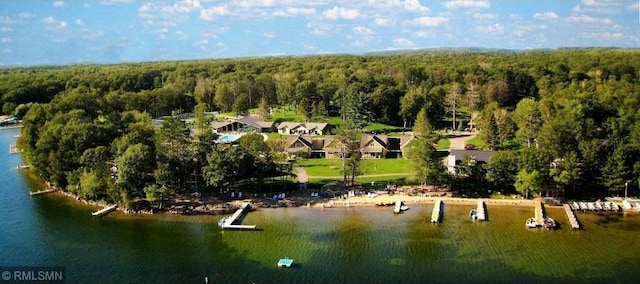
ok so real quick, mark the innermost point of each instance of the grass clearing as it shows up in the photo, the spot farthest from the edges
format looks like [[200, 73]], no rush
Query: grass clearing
[[443, 144], [333, 167]]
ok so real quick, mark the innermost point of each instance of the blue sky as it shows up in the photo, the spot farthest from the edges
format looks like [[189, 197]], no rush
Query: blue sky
[[115, 31]]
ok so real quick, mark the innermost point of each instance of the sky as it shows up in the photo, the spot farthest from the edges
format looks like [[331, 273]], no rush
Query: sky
[[116, 31]]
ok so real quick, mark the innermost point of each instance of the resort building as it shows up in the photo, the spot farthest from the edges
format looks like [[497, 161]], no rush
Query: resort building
[[302, 128], [245, 124], [374, 146]]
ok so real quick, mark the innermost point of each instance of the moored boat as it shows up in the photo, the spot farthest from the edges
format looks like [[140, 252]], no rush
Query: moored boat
[[473, 214], [549, 223], [531, 223]]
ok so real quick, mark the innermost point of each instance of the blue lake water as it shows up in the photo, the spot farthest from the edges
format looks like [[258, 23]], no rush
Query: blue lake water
[[353, 245]]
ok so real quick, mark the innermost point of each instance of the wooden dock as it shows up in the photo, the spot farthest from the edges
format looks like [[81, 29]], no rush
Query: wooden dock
[[436, 214], [42, 192], [539, 211], [481, 211], [233, 222], [104, 211], [571, 216]]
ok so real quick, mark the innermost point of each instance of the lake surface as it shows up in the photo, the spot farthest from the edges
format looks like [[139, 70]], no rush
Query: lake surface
[[338, 245]]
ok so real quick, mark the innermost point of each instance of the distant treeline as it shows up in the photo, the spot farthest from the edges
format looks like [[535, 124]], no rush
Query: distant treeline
[[571, 115]]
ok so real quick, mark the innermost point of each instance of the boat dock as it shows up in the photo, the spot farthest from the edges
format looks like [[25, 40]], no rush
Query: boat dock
[[13, 149], [41, 192], [398, 207], [539, 211], [233, 221], [437, 211], [481, 211], [571, 216], [104, 211]]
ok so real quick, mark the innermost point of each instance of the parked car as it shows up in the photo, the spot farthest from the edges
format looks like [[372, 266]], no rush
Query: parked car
[[469, 147]]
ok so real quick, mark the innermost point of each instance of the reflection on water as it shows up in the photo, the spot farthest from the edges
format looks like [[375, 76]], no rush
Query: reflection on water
[[353, 245]]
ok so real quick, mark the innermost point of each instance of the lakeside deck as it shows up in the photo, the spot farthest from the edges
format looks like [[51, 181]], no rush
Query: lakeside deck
[[539, 211], [42, 192], [436, 214], [104, 211], [481, 211], [571, 216], [233, 222]]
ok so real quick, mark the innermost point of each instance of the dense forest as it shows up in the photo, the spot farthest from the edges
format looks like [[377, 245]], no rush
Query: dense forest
[[565, 117]]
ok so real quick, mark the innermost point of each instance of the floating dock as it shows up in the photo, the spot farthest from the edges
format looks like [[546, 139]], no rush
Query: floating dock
[[233, 222], [104, 211], [571, 216], [481, 211], [42, 192], [13, 149], [285, 262], [437, 211]]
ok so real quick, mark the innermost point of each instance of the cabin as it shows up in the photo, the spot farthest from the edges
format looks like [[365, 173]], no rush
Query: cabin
[[244, 124], [304, 146], [374, 146], [397, 145], [302, 128], [456, 157]]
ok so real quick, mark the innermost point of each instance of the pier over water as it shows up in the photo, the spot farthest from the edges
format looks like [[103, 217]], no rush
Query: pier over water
[[436, 214], [233, 222]]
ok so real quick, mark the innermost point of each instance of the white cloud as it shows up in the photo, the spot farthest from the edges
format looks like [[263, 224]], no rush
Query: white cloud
[[6, 29], [211, 13], [79, 22], [49, 20], [253, 3], [52, 24], [6, 40], [403, 42], [415, 6], [635, 7], [26, 15], [269, 35], [545, 16], [58, 4], [589, 20], [424, 34], [608, 35], [430, 21], [496, 29], [6, 20], [320, 29], [109, 2], [293, 11], [481, 4], [360, 30], [340, 13], [383, 22], [483, 16]]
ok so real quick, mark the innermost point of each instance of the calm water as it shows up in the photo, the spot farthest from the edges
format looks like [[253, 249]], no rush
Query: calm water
[[354, 245]]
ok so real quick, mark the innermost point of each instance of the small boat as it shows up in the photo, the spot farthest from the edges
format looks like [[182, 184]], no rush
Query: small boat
[[473, 214], [404, 208], [285, 262], [599, 205], [575, 206], [549, 223], [532, 223], [583, 206], [606, 206], [591, 206]]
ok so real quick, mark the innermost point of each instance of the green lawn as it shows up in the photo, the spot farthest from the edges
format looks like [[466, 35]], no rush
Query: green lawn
[[333, 167], [443, 144], [475, 141], [381, 128]]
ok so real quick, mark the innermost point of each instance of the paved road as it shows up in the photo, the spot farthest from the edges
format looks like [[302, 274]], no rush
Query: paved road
[[302, 175], [458, 142]]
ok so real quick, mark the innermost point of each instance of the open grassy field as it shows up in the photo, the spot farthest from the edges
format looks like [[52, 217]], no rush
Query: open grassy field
[[333, 167]]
